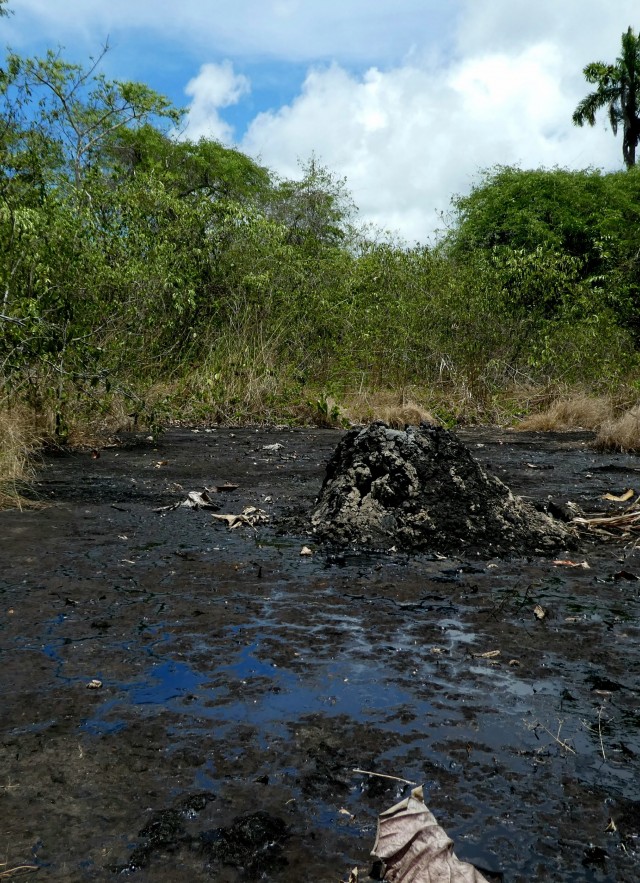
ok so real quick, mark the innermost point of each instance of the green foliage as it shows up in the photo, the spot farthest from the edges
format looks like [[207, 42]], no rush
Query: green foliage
[[190, 280], [561, 242]]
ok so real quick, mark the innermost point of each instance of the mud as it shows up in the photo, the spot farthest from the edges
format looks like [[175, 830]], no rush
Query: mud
[[242, 683], [421, 489]]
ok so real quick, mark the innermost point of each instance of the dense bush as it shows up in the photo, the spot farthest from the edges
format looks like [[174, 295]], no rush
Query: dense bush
[[136, 265]]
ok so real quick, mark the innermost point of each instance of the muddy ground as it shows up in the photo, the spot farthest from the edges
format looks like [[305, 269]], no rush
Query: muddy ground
[[242, 683]]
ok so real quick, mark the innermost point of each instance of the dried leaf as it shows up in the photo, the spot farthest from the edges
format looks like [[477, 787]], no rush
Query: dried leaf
[[565, 562], [230, 519], [95, 684], [305, 550], [274, 448], [222, 488], [249, 516], [490, 654], [415, 849], [194, 500], [621, 499], [539, 612]]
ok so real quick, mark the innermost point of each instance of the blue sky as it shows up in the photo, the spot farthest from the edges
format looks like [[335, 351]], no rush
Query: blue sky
[[407, 99]]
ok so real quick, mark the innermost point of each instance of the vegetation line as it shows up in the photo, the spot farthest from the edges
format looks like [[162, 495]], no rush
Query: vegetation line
[[148, 280]]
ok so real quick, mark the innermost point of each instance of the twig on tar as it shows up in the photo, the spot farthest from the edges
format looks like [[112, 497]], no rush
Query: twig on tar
[[555, 738], [600, 710], [19, 869], [384, 776]]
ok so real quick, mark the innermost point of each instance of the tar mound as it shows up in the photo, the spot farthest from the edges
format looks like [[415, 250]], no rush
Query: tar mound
[[421, 490]]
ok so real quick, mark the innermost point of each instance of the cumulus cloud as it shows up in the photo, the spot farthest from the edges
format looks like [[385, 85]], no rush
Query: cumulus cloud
[[410, 137], [215, 87], [408, 101]]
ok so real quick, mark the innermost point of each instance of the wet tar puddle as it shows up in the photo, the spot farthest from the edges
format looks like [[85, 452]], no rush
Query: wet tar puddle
[[248, 693]]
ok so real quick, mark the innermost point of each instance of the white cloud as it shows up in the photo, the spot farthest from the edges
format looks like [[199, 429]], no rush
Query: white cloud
[[410, 137], [216, 86], [447, 88], [291, 30]]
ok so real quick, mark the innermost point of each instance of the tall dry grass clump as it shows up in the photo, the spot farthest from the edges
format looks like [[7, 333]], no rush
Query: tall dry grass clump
[[19, 442], [397, 408], [579, 411], [621, 433]]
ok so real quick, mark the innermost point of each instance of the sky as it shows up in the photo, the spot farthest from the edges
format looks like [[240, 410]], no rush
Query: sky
[[408, 100]]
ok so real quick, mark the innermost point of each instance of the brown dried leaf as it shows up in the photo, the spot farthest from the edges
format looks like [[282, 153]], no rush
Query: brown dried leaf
[[566, 562], [621, 499], [249, 516], [222, 488], [490, 654], [415, 849], [230, 519], [539, 612]]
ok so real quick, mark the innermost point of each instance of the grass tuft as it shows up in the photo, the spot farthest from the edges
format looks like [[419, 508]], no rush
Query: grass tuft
[[579, 411], [397, 408], [20, 440], [621, 433]]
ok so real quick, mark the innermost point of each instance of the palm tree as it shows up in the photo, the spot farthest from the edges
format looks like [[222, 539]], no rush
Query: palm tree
[[618, 87]]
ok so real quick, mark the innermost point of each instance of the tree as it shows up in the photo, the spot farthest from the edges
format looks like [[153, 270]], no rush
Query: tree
[[618, 88], [317, 209]]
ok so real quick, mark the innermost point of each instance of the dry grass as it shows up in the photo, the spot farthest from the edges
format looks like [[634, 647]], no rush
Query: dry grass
[[20, 439], [621, 433], [579, 411], [397, 408]]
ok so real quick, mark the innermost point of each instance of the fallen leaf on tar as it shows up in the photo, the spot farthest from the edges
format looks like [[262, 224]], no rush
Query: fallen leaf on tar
[[95, 684], [249, 516], [539, 612], [305, 550], [565, 562], [194, 500], [621, 499], [222, 488], [274, 448], [415, 849], [490, 654]]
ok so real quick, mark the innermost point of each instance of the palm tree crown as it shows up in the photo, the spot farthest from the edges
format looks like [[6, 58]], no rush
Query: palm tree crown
[[618, 87]]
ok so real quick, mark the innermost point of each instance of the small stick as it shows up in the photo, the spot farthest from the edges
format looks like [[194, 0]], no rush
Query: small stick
[[384, 776], [11, 871], [600, 710], [557, 738]]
